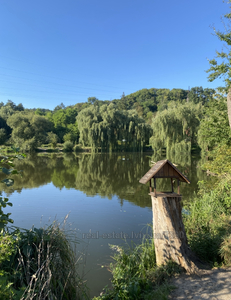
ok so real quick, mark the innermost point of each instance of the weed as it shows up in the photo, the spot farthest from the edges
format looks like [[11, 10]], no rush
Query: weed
[[44, 265]]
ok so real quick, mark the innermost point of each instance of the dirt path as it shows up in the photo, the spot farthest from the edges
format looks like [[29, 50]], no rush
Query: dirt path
[[212, 284]]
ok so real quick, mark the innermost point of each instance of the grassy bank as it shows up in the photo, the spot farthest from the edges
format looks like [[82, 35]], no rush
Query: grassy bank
[[39, 264], [208, 228], [136, 276]]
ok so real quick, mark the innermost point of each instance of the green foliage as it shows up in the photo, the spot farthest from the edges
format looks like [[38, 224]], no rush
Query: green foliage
[[136, 276], [108, 128], [68, 146], [64, 121], [219, 162], [175, 128], [52, 138], [29, 130], [200, 95], [214, 128], [3, 136], [42, 263], [225, 250], [4, 218], [221, 65], [8, 161], [209, 221], [73, 133], [77, 148]]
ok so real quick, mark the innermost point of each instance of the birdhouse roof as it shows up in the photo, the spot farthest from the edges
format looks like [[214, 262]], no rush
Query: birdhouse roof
[[163, 169]]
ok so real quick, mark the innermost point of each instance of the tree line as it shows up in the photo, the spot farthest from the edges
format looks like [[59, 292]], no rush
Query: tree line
[[162, 118]]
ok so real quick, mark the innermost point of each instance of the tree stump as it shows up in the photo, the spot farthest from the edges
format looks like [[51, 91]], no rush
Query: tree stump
[[169, 233]]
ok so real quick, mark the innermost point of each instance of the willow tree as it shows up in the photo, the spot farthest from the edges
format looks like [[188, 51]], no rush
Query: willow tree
[[175, 128], [111, 129]]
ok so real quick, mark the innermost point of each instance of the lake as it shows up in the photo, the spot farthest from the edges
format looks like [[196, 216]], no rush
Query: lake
[[101, 195]]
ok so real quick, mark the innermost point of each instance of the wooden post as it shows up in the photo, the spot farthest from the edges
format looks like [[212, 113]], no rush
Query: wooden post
[[150, 185], [172, 185], [178, 186], [169, 233], [154, 186]]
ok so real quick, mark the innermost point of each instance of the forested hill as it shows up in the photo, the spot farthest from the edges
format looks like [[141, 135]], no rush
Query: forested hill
[[118, 125], [148, 101]]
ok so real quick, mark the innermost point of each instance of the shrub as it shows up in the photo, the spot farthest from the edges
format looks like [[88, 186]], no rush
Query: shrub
[[135, 274], [44, 264], [209, 221], [225, 250], [68, 146], [77, 148]]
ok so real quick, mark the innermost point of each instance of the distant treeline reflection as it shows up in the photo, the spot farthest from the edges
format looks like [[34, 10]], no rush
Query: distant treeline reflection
[[106, 175]]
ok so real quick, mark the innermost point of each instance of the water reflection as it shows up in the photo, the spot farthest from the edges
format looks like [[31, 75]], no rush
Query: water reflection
[[102, 193], [105, 175]]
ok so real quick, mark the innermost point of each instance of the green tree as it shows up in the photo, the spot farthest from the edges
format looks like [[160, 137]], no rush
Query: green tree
[[3, 136], [111, 129], [29, 130], [200, 95], [64, 120], [92, 100], [220, 67], [58, 107], [52, 138], [175, 128], [214, 128]]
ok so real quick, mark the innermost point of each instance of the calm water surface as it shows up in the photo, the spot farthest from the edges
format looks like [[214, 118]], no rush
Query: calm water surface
[[102, 196]]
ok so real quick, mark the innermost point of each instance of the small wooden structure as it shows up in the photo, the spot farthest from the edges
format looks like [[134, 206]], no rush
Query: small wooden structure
[[164, 169], [168, 229]]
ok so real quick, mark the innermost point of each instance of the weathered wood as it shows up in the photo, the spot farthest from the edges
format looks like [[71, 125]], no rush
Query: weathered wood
[[163, 169], [169, 233], [154, 186], [172, 185]]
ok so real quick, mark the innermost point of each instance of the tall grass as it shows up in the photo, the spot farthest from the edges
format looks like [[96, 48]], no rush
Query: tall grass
[[209, 223], [135, 274], [44, 265]]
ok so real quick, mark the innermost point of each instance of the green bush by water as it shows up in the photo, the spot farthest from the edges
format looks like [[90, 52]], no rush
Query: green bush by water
[[68, 146], [209, 223], [39, 264], [136, 276]]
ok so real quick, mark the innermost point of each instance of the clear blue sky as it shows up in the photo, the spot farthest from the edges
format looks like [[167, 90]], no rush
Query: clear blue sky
[[54, 51]]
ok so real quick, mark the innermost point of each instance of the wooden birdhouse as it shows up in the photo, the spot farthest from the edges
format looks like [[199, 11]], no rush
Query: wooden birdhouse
[[164, 169]]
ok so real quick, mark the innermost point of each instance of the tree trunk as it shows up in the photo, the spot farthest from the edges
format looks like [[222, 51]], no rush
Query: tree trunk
[[169, 233], [229, 106]]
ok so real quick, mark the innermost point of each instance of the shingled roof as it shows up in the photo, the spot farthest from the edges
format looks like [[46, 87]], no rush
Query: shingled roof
[[163, 169]]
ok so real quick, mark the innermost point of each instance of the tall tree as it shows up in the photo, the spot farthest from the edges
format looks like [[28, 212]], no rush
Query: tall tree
[[175, 128], [221, 65], [29, 130], [112, 129], [214, 128]]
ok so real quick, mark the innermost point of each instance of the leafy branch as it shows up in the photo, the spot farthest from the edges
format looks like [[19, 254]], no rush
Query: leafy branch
[[8, 160]]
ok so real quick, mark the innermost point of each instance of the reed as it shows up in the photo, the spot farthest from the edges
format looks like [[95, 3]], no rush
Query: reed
[[44, 265]]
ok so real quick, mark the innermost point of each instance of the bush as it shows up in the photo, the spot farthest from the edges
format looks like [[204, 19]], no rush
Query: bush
[[68, 146], [44, 265], [225, 250], [135, 274], [77, 148], [209, 222]]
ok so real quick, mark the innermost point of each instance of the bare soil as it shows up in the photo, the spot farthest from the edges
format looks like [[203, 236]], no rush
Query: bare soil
[[212, 284]]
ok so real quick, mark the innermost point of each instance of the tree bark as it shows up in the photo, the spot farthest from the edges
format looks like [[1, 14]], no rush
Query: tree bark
[[169, 233], [229, 106]]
